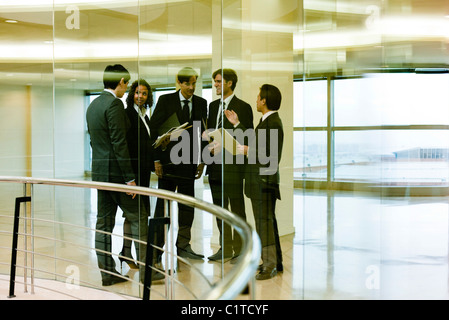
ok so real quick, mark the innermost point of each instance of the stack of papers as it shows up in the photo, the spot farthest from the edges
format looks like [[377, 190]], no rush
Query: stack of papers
[[227, 140], [171, 129]]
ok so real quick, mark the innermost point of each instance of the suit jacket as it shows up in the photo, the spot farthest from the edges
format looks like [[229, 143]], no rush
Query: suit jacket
[[262, 175], [108, 124], [166, 106], [140, 149], [245, 114]]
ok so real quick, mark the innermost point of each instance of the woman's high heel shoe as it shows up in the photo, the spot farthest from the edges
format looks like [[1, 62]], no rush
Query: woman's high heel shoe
[[129, 261]]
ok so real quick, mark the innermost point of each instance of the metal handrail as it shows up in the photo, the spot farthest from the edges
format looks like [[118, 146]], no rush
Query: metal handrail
[[235, 281]]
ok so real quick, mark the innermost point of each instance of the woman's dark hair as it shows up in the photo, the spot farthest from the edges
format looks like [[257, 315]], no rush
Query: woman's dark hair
[[132, 91], [272, 96], [113, 74]]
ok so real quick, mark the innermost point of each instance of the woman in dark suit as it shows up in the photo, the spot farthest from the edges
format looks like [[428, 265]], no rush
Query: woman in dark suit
[[262, 176], [139, 99]]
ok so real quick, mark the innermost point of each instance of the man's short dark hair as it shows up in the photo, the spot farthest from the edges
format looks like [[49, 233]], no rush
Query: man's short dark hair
[[185, 74], [113, 74], [272, 96], [227, 75]]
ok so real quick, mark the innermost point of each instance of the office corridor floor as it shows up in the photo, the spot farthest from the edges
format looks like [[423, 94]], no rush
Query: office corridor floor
[[345, 246]]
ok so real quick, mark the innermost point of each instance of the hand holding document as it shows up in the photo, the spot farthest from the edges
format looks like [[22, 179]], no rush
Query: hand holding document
[[221, 136], [170, 130], [171, 134]]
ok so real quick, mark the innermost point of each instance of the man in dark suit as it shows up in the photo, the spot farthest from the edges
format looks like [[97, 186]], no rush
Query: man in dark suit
[[226, 177], [108, 125], [173, 175], [262, 177]]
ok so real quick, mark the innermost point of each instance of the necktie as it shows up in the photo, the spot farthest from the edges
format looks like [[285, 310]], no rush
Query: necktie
[[220, 114], [186, 111]]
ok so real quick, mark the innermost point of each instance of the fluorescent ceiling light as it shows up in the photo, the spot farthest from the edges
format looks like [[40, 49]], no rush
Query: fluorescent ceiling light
[[27, 5], [401, 28], [151, 45]]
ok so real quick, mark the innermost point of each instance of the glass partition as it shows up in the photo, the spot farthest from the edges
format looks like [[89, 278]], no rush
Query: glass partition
[[384, 135], [364, 113], [26, 107]]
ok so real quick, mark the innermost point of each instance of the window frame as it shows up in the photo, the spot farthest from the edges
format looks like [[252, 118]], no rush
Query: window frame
[[330, 182]]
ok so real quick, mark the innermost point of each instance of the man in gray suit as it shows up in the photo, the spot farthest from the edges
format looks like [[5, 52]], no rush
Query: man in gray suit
[[108, 124]]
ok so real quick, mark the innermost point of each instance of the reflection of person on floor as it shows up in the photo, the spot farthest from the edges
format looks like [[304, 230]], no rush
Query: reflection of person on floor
[[107, 124], [185, 106], [139, 99], [226, 179], [262, 176]]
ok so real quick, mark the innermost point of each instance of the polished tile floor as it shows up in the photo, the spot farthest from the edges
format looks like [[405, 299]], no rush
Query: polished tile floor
[[347, 245]]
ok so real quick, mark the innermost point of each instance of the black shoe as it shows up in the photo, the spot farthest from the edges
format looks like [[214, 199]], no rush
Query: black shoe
[[266, 273], [220, 255], [129, 261], [110, 280], [187, 252], [279, 267]]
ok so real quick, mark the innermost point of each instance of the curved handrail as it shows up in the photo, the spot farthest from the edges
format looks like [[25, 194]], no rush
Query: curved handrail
[[235, 280]]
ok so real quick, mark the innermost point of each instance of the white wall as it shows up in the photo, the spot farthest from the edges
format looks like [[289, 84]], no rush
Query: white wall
[[12, 130], [69, 133]]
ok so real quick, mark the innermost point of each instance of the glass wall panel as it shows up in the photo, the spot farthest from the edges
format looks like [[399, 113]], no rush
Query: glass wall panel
[[26, 106], [386, 134], [364, 112], [258, 43], [173, 35], [85, 39]]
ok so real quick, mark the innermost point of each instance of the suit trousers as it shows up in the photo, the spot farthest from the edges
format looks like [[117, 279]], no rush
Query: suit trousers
[[183, 185], [228, 194], [266, 226], [134, 211]]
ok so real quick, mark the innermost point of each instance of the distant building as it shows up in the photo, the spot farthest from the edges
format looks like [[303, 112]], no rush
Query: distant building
[[423, 153]]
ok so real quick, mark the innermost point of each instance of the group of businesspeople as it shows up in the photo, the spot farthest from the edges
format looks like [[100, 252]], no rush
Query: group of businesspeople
[[123, 151]]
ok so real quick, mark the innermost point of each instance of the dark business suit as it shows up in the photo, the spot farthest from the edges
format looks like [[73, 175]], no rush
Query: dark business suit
[[141, 155], [178, 176], [262, 185], [226, 179], [108, 125], [140, 149]]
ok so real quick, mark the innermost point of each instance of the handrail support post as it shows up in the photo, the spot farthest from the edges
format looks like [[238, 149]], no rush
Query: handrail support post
[[15, 236], [149, 254]]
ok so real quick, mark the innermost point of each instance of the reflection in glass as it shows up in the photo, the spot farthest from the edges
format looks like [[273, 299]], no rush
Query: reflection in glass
[[310, 155], [393, 156]]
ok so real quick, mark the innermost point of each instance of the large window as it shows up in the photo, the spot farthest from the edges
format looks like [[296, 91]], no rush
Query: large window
[[392, 99], [389, 128]]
